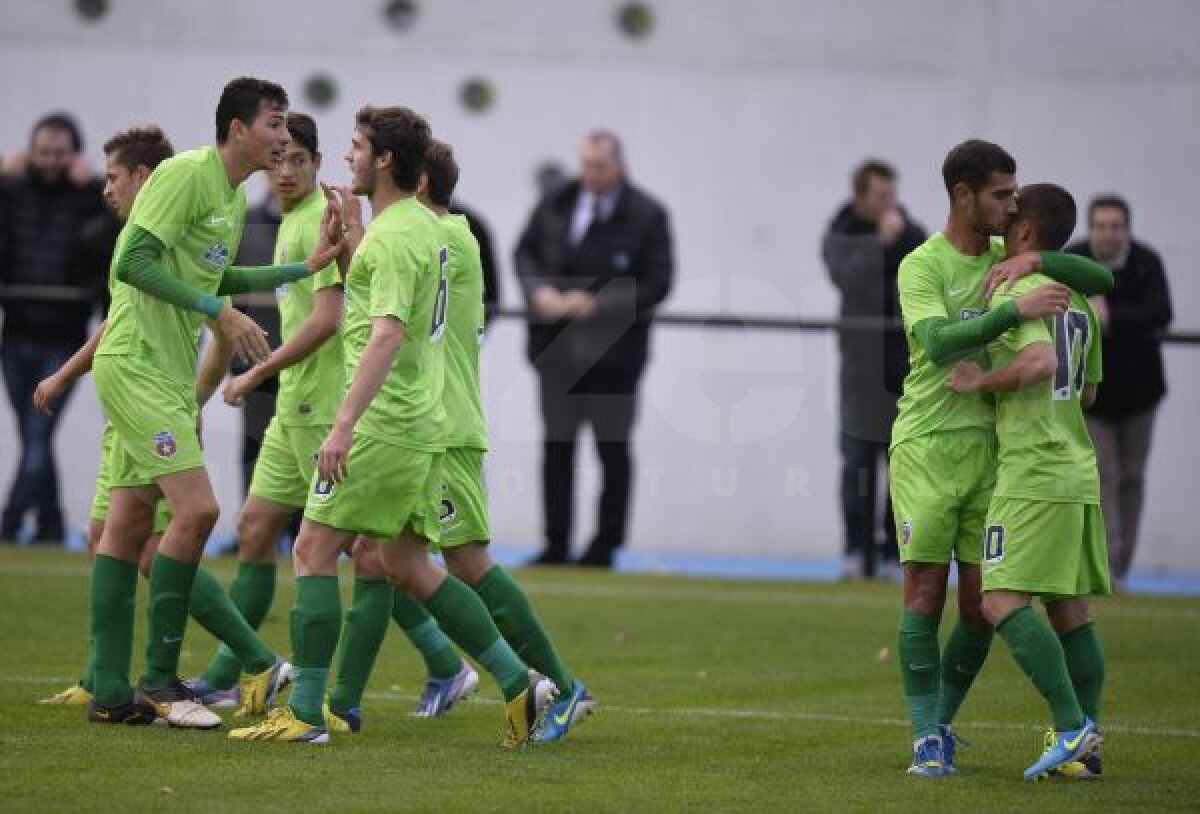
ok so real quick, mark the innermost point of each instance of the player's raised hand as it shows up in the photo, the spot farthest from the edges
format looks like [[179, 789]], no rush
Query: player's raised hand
[[248, 340], [1009, 271], [1044, 301], [329, 243], [48, 391], [351, 208], [965, 377], [333, 455]]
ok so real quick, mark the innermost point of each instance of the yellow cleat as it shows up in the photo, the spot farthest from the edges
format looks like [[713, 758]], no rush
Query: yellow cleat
[[73, 696], [281, 724], [258, 692], [342, 722], [526, 712]]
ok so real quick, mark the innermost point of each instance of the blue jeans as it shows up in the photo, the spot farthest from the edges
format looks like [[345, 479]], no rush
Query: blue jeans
[[35, 485]]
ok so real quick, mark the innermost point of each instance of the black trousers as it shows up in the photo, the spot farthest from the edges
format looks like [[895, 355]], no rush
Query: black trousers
[[606, 400], [860, 502]]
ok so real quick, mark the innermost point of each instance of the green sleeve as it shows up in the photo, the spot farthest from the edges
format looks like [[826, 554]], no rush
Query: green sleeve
[[244, 279], [944, 342], [1080, 273], [141, 266]]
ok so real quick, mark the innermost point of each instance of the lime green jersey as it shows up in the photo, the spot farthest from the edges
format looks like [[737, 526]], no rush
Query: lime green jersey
[[937, 280], [465, 423], [198, 216], [1044, 449], [310, 390], [399, 271]]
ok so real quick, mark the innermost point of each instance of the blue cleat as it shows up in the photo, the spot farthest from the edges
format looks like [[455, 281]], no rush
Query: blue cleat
[[210, 696], [565, 714], [1066, 747], [441, 693], [950, 742], [344, 721], [928, 757]]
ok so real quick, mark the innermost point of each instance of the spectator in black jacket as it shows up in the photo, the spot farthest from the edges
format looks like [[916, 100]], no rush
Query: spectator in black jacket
[[1132, 317], [594, 262], [866, 241], [52, 284]]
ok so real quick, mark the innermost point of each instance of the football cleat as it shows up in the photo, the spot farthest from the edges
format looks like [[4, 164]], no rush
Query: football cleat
[[1064, 748], [281, 724], [258, 692], [526, 712], [566, 713], [347, 721], [927, 757], [1087, 767], [950, 743], [210, 696], [442, 693], [72, 696], [134, 713], [177, 705]]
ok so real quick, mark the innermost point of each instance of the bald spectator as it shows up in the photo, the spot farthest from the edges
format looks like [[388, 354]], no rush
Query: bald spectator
[[594, 262]]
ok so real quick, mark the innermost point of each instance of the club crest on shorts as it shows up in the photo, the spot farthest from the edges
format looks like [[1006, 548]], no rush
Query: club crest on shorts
[[905, 532], [164, 444], [323, 489]]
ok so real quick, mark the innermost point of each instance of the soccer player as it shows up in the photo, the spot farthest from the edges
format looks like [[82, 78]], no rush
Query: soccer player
[[173, 264], [379, 469], [463, 517], [310, 370], [942, 456], [130, 157], [1045, 533]]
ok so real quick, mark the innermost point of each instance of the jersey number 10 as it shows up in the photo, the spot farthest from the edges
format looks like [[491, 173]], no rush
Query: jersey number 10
[[443, 294], [1071, 330]]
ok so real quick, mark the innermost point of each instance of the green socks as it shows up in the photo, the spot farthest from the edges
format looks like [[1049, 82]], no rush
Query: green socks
[[520, 626], [917, 650], [1085, 663], [252, 591], [212, 608], [441, 659], [465, 619], [1037, 650], [315, 621], [362, 635], [170, 592], [114, 585], [961, 661]]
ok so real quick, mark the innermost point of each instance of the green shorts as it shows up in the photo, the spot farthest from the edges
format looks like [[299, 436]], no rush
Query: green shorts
[[286, 463], [464, 513], [100, 500], [154, 421], [941, 486], [1052, 550], [387, 489]]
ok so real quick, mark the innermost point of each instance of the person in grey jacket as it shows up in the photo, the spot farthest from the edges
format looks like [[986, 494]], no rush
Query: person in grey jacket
[[862, 250]]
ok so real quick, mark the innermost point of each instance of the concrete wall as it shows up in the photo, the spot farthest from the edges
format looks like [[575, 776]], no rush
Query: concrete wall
[[745, 119]]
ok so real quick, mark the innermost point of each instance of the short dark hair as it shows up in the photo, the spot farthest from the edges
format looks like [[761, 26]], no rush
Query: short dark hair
[[139, 147], [603, 136], [1110, 201], [242, 98], [303, 131], [1051, 210], [973, 162], [442, 171], [59, 120], [871, 168], [402, 133]]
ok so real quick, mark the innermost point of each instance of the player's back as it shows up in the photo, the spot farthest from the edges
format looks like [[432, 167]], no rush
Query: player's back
[[466, 425], [1044, 448], [938, 281]]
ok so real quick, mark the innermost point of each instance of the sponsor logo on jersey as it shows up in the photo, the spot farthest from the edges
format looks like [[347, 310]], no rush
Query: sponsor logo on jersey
[[905, 532], [216, 255], [970, 313], [164, 444]]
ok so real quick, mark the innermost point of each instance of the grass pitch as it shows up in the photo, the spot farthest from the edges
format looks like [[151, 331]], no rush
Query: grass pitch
[[715, 696]]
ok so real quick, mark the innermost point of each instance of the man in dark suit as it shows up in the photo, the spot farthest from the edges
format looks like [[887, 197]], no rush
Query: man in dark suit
[[594, 262]]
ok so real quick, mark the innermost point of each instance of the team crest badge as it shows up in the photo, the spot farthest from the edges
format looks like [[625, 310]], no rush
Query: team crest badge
[[164, 444], [217, 255], [323, 489], [905, 532]]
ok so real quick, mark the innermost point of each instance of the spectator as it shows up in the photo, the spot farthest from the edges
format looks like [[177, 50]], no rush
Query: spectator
[[1132, 317], [866, 241], [594, 262], [53, 275]]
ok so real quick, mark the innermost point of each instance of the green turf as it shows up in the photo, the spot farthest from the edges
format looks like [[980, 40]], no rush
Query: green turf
[[714, 696]]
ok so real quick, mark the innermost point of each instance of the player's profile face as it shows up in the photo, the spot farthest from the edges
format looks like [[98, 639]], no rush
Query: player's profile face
[[119, 187], [268, 136], [360, 158], [996, 204]]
